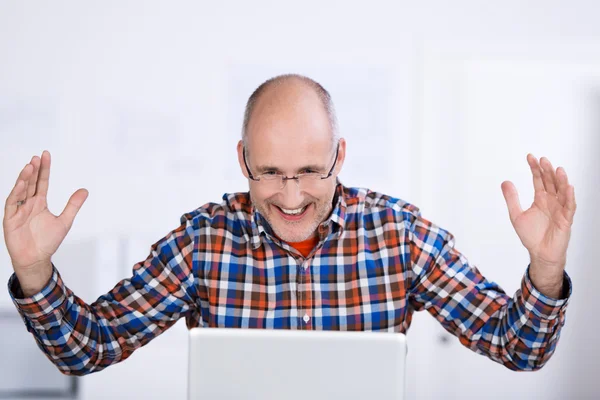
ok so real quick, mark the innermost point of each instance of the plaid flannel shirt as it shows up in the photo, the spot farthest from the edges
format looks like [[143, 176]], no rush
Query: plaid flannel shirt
[[377, 261]]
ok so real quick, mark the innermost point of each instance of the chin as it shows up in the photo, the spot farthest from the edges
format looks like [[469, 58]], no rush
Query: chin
[[288, 235]]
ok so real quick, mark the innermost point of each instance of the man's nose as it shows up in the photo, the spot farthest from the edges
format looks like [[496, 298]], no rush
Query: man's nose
[[292, 195]]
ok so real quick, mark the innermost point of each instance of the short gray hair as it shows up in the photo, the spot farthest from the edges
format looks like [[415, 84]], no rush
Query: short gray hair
[[323, 94]]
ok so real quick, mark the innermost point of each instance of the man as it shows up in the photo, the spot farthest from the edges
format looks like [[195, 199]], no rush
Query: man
[[298, 251]]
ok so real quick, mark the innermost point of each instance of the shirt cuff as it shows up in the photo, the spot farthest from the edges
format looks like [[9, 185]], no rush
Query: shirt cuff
[[50, 301], [541, 305]]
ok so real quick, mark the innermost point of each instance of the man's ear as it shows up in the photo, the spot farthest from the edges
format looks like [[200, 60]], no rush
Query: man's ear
[[341, 156], [240, 152]]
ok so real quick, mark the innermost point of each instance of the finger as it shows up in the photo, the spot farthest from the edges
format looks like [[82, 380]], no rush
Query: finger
[[10, 207], [563, 185], [538, 184], [24, 176], [571, 205], [72, 208], [35, 161], [511, 196], [44, 174], [548, 176]]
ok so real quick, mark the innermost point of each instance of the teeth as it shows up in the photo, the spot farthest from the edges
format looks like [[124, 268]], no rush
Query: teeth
[[293, 212]]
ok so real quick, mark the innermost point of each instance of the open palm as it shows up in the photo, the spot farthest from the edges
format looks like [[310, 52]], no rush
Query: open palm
[[545, 228], [31, 232]]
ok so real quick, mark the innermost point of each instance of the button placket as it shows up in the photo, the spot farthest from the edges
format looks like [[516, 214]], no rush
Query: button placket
[[306, 302], [299, 293]]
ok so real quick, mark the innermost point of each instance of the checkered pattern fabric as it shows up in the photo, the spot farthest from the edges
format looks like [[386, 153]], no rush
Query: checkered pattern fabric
[[377, 261]]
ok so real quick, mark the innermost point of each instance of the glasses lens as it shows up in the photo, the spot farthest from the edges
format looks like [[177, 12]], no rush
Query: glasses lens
[[271, 181], [306, 181]]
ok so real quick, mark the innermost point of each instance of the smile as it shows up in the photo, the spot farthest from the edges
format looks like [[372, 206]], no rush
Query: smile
[[292, 214]]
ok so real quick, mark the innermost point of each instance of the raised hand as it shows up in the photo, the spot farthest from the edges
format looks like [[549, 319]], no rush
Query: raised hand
[[31, 232], [544, 228]]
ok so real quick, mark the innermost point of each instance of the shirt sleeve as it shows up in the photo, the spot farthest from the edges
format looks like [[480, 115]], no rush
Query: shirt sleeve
[[80, 338], [519, 332]]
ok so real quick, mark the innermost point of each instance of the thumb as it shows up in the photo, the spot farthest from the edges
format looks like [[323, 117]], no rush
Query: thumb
[[72, 208], [512, 200]]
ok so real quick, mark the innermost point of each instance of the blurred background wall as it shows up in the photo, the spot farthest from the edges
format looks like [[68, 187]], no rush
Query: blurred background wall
[[141, 103]]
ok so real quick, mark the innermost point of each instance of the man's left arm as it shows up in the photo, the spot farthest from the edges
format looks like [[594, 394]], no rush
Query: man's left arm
[[521, 332]]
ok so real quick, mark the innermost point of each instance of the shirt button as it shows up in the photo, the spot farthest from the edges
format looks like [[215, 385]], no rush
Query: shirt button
[[306, 318]]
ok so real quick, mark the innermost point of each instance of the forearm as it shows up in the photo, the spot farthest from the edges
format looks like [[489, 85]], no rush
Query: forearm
[[75, 339], [81, 338], [521, 332]]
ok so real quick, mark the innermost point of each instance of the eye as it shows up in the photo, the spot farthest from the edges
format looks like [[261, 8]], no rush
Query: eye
[[310, 171], [270, 173]]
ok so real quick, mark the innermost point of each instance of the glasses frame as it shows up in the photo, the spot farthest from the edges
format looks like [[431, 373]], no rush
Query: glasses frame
[[285, 178]]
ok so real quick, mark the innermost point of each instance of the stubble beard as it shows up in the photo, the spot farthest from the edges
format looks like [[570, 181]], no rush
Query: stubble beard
[[293, 231]]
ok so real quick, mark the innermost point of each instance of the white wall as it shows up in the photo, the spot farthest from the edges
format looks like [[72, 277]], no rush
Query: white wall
[[141, 103]]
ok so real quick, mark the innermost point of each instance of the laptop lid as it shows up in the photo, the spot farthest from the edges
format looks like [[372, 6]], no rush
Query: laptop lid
[[283, 364]]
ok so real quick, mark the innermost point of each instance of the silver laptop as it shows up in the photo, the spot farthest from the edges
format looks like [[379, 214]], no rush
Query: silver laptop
[[289, 365]]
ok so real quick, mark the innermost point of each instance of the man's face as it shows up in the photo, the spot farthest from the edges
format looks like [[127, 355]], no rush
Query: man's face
[[290, 134]]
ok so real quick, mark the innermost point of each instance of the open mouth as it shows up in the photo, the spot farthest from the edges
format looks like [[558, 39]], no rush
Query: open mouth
[[292, 215]]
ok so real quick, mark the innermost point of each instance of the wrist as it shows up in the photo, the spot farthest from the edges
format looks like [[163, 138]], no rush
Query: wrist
[[34, 278], [547, 279]]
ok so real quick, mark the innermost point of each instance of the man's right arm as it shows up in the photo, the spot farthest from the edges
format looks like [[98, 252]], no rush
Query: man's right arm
[[80, 338], [77, 337]]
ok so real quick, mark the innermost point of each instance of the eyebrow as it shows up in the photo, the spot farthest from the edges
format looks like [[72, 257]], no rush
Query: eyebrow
[[314, 167]]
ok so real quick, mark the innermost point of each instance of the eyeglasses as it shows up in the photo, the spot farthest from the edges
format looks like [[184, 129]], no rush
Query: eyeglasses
[[276, 181]]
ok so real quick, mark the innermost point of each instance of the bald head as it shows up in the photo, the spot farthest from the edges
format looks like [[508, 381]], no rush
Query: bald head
[[286, 95]]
